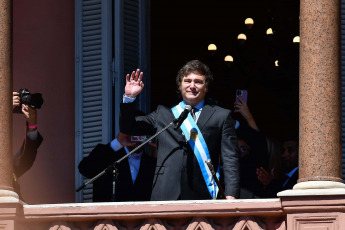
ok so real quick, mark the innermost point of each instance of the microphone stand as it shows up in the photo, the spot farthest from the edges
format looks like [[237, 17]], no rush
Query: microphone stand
[[113, 166], [210, 166], [115, 173]]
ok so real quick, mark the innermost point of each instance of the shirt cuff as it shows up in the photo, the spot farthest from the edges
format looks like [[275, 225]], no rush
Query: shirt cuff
[[237, 125], [32, 134], [115, 145], [127, 99]]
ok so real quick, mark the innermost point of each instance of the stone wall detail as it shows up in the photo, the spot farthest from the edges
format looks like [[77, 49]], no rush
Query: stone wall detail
[[242, 223]]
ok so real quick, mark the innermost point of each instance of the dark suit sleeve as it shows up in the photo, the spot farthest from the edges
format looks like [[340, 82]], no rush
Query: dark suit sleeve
[[99, 159], [229, 154], [136, 126], [27, 155]]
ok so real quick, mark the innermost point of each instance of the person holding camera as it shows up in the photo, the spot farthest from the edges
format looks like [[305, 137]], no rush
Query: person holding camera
[[135, 174], [26, 155]]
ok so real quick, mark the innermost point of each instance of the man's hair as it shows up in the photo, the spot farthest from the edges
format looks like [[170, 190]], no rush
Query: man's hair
[[196, 67]]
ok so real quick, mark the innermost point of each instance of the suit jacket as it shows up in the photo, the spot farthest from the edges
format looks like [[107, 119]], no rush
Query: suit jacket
[[100, 158], [178, 174], [26, 158]]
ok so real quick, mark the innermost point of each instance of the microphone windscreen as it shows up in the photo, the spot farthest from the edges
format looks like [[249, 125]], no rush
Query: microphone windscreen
[[188, 107]]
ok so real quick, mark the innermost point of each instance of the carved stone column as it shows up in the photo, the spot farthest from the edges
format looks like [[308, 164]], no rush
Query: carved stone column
[[320, 96], [6, 176]]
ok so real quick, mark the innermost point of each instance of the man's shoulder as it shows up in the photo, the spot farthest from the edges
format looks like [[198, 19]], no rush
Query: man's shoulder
[[163, 108], [216, 106]]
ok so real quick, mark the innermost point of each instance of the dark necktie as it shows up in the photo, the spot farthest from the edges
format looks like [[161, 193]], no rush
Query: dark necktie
[[193, 113]]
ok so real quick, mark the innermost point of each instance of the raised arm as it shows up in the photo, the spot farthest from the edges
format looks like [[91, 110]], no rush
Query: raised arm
[[243, 109]]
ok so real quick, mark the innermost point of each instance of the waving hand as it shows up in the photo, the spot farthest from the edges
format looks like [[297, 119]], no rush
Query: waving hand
[[134, 85]]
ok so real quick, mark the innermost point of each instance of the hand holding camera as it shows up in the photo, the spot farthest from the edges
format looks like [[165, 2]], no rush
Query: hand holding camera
[[30, 115], [26, 103], [16, 100], [33, 100], [24, 97]]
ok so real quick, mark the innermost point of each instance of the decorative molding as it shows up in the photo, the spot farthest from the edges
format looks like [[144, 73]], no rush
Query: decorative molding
[[249, 223], [153, 224], [310, 221], [281, 226], [180, 222], [62, 225], [200, 224], [105, 225], [7, 225], [220, 223]]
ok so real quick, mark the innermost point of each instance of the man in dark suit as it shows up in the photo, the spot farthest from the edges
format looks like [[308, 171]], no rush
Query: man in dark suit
[[180, 171], [135, 174]]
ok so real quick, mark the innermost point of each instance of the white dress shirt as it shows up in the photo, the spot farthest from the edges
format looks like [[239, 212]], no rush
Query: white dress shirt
[[133, 160]]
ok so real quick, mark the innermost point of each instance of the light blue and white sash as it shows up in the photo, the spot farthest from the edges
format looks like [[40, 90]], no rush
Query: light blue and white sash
[[198, 144]]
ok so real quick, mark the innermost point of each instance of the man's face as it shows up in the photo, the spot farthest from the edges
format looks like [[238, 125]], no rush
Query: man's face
[[193, 88], [290, 154]]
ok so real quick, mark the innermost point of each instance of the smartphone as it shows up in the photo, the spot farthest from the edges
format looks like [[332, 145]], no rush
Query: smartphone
[[243, 94]]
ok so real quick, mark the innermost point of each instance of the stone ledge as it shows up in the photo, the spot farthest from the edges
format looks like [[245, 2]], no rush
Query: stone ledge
[[162, 209], [312, 192]]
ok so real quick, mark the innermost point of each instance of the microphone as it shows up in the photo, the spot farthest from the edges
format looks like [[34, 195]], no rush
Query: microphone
[[178, 122]]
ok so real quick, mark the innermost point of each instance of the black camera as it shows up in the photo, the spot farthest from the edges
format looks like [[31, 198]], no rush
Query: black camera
[[33, 100]]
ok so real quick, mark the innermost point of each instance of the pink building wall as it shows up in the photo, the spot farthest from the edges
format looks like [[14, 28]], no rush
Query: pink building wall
[[43, 34]]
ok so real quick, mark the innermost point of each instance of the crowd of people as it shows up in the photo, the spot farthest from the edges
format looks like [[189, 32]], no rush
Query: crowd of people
[[247, 163]]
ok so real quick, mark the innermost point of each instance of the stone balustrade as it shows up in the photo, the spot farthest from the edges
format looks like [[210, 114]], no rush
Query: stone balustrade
[[294, 210], [214, 214]]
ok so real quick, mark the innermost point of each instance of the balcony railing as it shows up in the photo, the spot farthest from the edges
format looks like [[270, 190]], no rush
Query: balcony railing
[[294, 210], [203, 215]]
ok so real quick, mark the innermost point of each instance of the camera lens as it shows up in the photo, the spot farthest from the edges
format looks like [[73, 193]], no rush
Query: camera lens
[[26, 99], [239, 93]]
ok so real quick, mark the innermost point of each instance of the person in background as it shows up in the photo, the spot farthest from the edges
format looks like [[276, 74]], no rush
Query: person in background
[[253, 152], [25, 157], [135, 174], [289, 155]]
